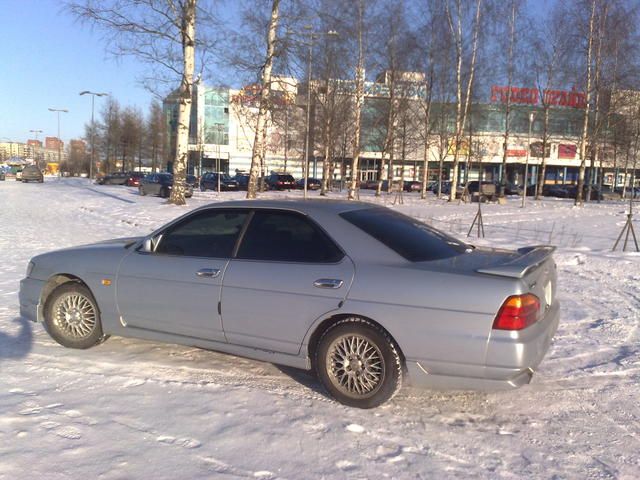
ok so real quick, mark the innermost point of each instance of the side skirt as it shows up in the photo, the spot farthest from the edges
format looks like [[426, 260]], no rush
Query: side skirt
[[295, 361]]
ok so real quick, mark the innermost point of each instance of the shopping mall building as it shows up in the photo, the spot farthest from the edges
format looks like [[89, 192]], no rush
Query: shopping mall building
[[222, 133]]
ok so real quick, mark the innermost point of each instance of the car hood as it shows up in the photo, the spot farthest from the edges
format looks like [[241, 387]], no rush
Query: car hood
[[124, 241], [99, 257], [115, 243]]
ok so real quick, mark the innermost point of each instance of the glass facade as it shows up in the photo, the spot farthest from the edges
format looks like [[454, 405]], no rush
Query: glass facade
[[374, 127], [216, 116]]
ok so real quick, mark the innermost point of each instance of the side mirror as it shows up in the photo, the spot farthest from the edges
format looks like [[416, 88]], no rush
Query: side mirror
[[147, 245]]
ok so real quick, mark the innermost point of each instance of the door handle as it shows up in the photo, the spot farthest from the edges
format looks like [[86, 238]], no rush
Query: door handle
[[328, 283], [208, 272]]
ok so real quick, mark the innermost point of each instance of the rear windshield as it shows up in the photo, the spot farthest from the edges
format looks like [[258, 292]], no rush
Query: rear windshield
[[410, 238], [285, 178]]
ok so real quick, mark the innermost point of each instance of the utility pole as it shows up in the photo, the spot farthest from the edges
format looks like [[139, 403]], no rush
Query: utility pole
[[35, 148], [93, 127], [58, 110], [331, 33]]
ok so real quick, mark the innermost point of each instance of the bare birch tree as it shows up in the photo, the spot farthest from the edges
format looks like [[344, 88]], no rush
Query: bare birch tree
[[551, 49], [259, 142], [359, 101], [455, 17], [588, 80], [511, 37], [161, 34]]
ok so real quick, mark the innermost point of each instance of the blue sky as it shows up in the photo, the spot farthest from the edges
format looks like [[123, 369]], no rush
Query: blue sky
[[48, 58]]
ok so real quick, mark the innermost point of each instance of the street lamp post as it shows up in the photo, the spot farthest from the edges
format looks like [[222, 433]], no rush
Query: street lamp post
[[35, 148], [311, 35], [532, 117], [93, 127], [58, 110]]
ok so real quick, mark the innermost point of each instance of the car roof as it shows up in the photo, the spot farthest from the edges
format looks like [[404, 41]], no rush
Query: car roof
[[359, 245], [309, 206]]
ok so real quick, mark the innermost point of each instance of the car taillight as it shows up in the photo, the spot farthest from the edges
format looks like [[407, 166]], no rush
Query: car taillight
[[517, 312]]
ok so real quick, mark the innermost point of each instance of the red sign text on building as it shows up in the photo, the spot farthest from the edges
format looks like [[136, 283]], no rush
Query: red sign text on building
[[530, 96], [567, 150]]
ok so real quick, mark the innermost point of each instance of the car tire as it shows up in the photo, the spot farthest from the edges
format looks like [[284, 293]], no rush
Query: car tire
[[72, 318], [350, 377]]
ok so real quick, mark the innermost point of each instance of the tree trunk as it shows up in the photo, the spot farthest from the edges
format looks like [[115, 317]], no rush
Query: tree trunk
[[353, 186], [507, 120], [259, 144], [597, 85], [461, 111], [188, 34], [585, 125], [543, 167]]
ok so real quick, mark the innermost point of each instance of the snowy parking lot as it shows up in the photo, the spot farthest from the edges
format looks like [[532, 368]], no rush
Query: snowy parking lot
[[136, 409]]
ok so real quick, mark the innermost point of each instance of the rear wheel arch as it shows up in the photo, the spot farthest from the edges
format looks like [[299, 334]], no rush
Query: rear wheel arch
[[358, 362], [330, 322]]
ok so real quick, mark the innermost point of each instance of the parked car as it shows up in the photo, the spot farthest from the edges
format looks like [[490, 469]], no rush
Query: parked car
[[446, 188], [312, 184], [572, 192], [31, 173], [563, 191], [373, 185], [115, 178], [18, 175], [280, 181], [160, 184], [209, 181], [2, 176], [133, 179], [628, 191], [412, 186], [487, 189], [193, 181], [360, 293], [511, 188], [243, 180]]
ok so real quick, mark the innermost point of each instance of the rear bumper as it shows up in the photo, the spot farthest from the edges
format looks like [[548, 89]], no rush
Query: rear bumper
[[29, 296], [511, 360], [422, 378]]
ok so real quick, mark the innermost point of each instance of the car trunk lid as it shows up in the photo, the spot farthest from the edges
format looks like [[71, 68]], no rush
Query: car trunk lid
[[526, 260]]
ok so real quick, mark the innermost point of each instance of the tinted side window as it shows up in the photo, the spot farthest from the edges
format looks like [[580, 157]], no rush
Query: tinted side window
[[287, 237], [410, 238], [205, 234]]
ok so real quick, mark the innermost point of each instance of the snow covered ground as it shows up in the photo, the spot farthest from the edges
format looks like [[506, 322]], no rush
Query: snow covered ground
[[136, 409]]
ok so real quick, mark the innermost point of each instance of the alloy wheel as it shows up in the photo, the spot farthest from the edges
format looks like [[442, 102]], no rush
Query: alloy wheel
[[355, 365], [75, 315]]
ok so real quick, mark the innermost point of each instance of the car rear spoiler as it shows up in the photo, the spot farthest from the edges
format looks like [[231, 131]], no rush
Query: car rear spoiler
[[529, 259]]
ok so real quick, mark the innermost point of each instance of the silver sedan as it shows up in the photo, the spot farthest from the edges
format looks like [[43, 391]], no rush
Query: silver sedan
[[363, 295]]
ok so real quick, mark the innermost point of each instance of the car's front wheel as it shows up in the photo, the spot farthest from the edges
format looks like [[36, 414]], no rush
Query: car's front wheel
[[72, 317], [358, 363]]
